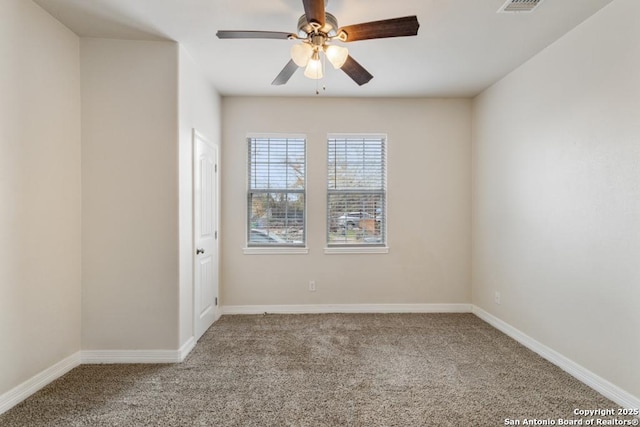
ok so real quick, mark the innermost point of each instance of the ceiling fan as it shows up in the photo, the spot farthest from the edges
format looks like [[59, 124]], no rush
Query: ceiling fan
[[317, 31]]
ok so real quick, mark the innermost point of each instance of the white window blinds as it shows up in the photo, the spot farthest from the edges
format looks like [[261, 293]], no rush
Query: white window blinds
[[356, 190], [276, 191]]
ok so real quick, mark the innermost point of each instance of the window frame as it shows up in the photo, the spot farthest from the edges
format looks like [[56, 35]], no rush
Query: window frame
[[359, 247], [285, 247]]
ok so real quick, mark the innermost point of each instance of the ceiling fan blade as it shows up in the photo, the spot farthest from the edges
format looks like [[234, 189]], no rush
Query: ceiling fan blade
[[396, 27], [314, 10], [253, 35], [356, 71], [285, 74]]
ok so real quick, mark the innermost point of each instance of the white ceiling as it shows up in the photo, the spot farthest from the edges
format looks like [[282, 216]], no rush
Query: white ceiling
[[463, 46]]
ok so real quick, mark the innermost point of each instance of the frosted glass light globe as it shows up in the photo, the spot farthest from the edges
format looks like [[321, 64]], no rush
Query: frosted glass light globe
[[301, 53], [337, 55], [314, 69]]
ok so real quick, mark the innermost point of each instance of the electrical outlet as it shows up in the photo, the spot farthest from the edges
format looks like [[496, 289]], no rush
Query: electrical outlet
[[312, 285], [497, 298]]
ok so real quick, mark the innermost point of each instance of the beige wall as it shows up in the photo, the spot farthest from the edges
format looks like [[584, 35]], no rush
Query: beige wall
[[129, 194], [39, 192], [557, 196], [428, 204], [200, 109]]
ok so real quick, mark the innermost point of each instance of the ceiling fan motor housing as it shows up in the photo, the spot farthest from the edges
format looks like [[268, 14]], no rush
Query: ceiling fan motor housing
[[330, 27]]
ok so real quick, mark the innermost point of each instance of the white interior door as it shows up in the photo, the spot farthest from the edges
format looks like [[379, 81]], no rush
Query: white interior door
[[205, 221]]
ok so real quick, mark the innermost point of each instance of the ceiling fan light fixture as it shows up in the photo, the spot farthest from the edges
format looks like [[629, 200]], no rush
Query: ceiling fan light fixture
[[314, 67], [337, 55], [318, 29], [301, 54]]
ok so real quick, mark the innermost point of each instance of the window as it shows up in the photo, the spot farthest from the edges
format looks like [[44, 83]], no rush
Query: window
[[356, 192], [276, 191]]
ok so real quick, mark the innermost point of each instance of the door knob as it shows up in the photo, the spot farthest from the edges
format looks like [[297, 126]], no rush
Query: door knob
[[199, 251]]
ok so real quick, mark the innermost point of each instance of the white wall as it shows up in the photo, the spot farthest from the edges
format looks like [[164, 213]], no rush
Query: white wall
[[199, 108], [129, 194], [39, 192], [428, 204], [557, 196]]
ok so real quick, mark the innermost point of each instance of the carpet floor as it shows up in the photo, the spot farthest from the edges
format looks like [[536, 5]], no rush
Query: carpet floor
[[323, 370]]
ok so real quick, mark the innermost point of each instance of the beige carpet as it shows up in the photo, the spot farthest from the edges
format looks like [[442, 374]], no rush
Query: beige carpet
[[322, 370]]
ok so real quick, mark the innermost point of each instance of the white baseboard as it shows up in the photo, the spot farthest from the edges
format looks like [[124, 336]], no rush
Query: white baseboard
[[92, 357], [346, 308], [186, 348], [599, 384], [16, 395]]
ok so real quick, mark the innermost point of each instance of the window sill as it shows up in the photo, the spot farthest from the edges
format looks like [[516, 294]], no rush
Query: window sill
[[275, 251], [333, 250]]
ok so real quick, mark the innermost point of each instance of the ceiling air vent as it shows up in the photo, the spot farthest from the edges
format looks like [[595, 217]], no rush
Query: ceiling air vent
[[519, 6]]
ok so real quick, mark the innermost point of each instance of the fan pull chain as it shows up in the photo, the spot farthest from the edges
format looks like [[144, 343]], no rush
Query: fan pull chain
[[324, 87]]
